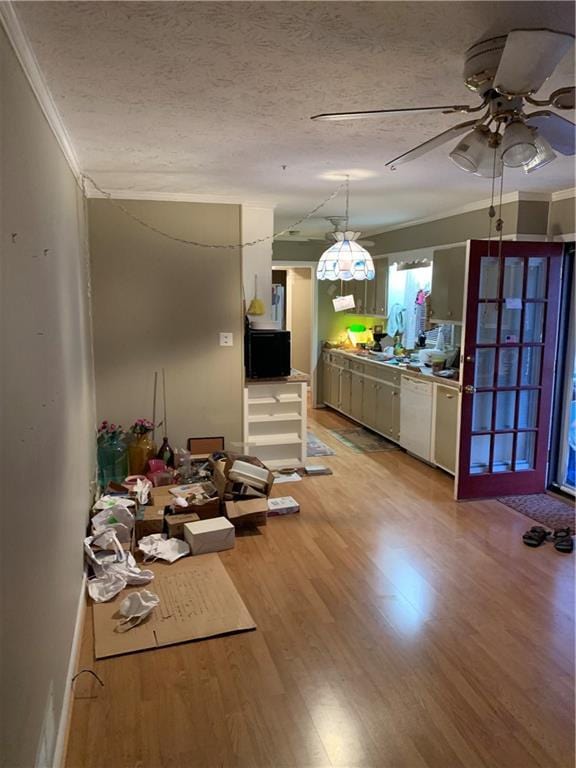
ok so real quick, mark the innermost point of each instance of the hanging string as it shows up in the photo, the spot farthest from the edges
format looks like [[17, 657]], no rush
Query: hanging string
[[500, 221], [197, 244], [347, 182], [491, 210]]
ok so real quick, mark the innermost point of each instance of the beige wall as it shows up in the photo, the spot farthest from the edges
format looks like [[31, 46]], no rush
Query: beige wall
[[562, 217], [47, 418], [299, 316], [161, 304]]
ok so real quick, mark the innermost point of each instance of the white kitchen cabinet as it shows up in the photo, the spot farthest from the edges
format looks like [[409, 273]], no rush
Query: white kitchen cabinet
[[416, 417], [446, 409], [345, 391], [447, 294]]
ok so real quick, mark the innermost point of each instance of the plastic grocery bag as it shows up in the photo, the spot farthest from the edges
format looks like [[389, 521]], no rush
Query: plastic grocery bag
[[113, 568], [157, 546], [118, 517], [135, 607]]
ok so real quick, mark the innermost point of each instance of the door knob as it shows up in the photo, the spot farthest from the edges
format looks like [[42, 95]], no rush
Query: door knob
[[469, 389], [469, 358]]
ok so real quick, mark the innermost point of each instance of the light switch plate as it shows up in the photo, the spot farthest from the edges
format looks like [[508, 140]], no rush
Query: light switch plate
[[226, 339]]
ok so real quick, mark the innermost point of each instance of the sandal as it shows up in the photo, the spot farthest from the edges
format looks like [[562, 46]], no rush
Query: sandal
[[563, 541], [535, 536]]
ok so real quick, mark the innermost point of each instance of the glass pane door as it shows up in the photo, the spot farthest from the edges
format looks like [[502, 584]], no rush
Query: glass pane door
[[511, 322]]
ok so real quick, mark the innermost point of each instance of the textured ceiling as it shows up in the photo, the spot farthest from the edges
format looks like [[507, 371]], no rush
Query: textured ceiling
[[213, 98]]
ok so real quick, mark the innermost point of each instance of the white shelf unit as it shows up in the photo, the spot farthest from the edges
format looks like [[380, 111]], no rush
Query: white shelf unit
[[275, 422]]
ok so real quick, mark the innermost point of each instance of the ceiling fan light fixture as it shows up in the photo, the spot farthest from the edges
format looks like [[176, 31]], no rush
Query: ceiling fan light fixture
[[345, 260], [518, 144], [544, 155], [472, 151]]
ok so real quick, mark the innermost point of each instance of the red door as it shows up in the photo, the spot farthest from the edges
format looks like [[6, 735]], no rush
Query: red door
[[511, 316]]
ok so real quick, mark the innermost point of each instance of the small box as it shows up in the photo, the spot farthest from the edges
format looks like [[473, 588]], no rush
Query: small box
[[174, 524], [284, 505], [241, 513], [151, 522], [212, 535]]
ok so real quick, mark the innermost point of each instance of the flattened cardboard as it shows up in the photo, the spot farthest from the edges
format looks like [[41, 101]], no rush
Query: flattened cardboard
[[197, 600]]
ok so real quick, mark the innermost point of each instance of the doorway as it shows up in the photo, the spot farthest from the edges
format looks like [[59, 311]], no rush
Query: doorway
[[293, 308]]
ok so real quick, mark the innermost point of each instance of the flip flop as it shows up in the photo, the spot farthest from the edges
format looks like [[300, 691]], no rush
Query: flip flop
[[535, 536], [563, 541]]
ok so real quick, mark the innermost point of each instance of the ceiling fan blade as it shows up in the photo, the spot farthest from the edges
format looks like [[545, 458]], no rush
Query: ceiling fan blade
[[431, 144], [334, 116], [529, 58], [558, 132]]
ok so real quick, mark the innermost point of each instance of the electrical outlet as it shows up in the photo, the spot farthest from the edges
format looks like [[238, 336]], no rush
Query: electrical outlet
[[226, 339]]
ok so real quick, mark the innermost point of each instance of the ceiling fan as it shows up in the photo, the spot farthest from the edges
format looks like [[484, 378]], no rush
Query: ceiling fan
[[505, 71]]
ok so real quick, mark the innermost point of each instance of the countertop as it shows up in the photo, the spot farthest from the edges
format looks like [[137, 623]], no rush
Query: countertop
[[424, 374], [295, 377]]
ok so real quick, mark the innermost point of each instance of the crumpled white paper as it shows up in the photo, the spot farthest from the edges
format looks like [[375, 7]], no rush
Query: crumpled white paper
[[113, 568], [157, 546], [135, 607], [142, 489]]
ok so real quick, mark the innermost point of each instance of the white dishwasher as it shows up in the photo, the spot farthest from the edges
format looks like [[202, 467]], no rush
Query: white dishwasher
[[416, 417]]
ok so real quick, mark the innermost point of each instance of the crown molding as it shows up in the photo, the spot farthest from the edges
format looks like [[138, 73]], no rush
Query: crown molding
[[27, 59], [174, 197], [509, 197], [564, 194]]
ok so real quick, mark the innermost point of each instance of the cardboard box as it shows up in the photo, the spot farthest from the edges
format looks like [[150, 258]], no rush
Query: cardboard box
[[213, 535], [197, 600], [283, 505], [174, 524], [241, 513], [152, 521], [230, 491]]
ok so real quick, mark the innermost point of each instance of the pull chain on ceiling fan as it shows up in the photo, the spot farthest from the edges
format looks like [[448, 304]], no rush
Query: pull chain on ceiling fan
[[506, 72]]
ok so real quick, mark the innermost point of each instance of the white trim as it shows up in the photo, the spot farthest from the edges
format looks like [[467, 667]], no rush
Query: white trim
[[568, 237], [510, 197], [25, 55], [563, 194], [172, 197], [65, 712]]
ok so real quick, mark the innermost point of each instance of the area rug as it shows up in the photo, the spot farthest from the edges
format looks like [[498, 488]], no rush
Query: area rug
[[545, 509], [315, 447], [361, 440]]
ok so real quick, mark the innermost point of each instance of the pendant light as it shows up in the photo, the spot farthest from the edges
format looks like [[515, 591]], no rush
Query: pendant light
[[518, 144], [346, 259]]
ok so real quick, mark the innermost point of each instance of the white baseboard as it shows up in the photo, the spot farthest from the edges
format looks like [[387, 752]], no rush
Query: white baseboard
[[64, 721]]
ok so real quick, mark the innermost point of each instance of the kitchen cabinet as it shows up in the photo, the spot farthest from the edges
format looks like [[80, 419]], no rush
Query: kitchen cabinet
[[345, 391], [370, 296], [370, 403], [446, 427], [388, 411], [448, 275], [378, 295], [356, 395], [421, 415]]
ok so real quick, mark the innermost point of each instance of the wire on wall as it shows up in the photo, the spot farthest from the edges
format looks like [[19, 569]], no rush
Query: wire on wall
[[197, 244]]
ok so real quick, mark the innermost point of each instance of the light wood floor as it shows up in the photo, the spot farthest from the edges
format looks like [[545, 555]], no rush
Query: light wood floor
[[396, 629]]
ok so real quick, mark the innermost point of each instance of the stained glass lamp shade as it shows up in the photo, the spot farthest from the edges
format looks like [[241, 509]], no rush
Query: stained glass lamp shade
[[345, 260]]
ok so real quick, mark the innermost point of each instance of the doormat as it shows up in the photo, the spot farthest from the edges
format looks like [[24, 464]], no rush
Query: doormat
[[545, 509], [361, 440], [197, 600], [315, 447]]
